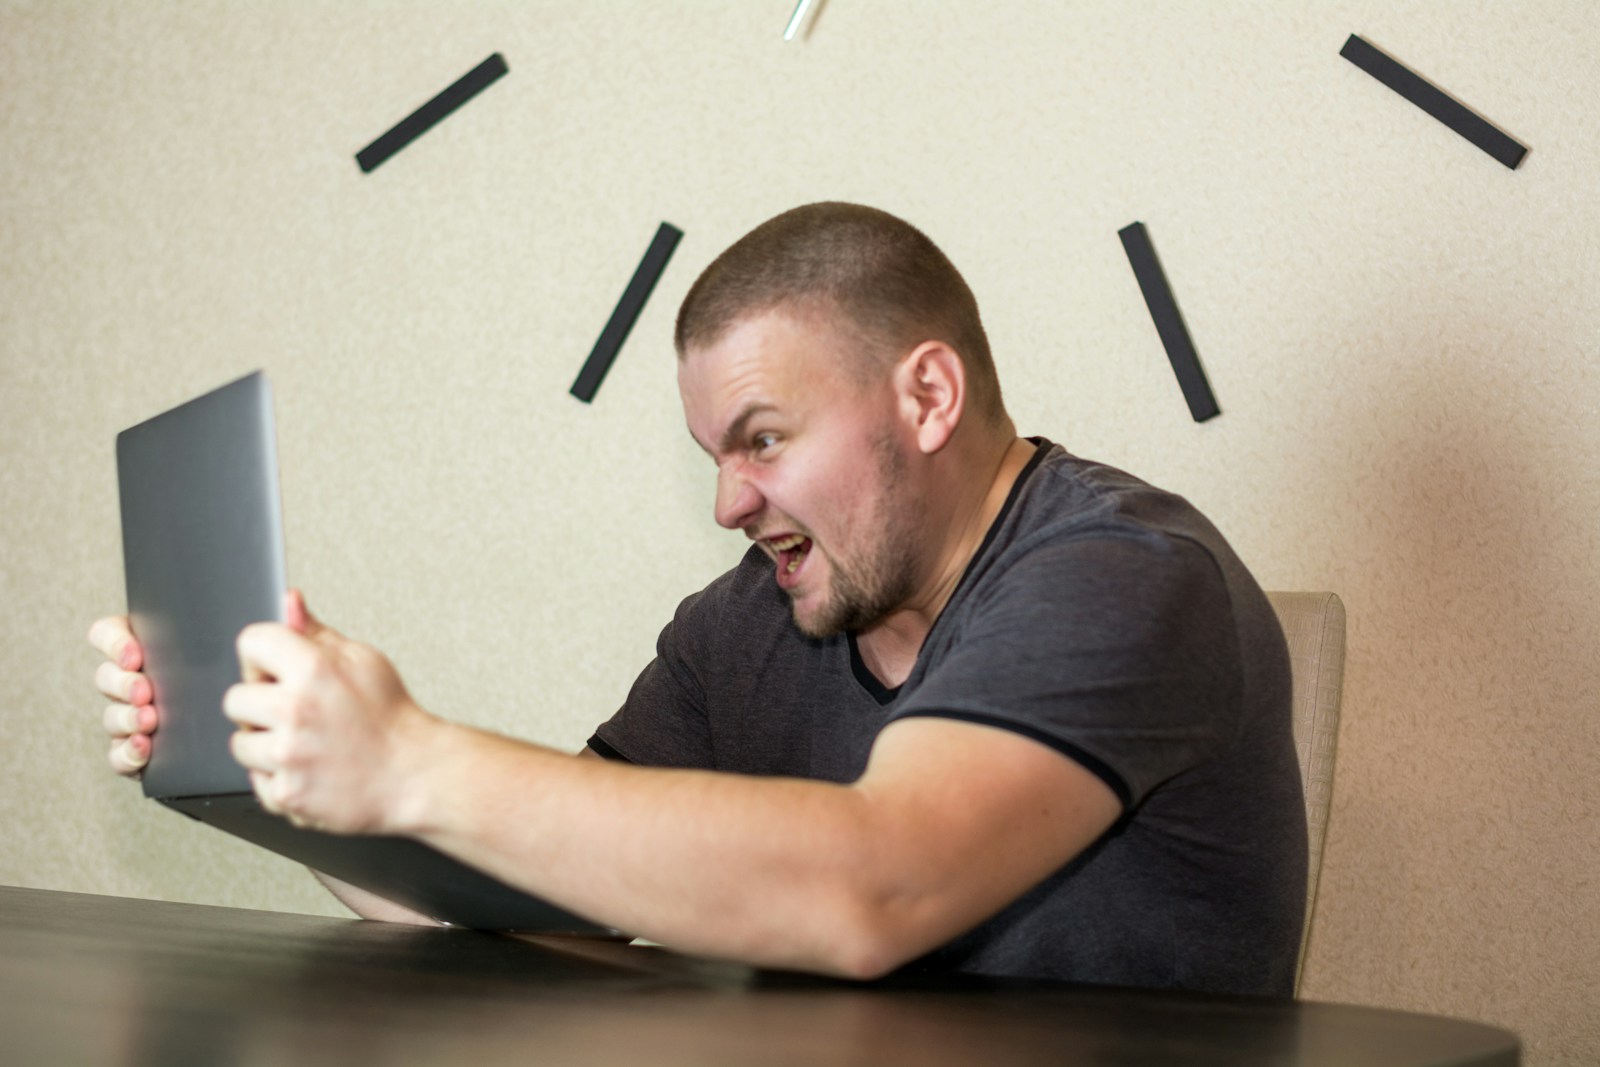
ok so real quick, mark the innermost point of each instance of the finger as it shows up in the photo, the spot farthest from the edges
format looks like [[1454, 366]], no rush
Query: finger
[[129, 687], [298, 617], [126, 720], [273, 791], [255, 750], [129, 756], [295, 615], [253, 704], [114, 640], [270, 650], [262, 784]]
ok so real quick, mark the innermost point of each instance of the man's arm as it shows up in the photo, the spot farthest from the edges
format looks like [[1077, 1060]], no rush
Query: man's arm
[[950, 822], [369, 905]]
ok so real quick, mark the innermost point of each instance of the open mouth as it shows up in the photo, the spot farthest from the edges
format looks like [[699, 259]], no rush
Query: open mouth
[[791, 551]]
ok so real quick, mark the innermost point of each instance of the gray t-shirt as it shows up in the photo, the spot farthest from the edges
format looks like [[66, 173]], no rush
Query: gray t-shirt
[[1102, 617]]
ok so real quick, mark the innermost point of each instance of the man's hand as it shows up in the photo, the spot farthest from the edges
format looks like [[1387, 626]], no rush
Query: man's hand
[[327, 730], [130, 718]]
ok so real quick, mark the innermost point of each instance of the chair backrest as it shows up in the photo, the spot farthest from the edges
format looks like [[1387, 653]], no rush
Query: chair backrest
[[1313, 623]]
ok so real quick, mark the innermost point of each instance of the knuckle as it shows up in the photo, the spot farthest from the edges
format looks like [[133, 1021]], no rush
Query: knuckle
[[245, 749], [290, 748], [288, 792], [125, 760], [115, 720], [105, 678], [322, 670], [117, 683], [299, 711], [236, 703], [104, 632], [261, 784]]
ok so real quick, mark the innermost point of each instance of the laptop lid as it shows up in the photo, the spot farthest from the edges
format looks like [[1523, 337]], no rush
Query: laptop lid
[[202, 543], [202, 550]]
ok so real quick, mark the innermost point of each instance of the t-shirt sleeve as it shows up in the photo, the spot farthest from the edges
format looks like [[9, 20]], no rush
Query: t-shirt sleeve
[[1117, 651], [662, 723]]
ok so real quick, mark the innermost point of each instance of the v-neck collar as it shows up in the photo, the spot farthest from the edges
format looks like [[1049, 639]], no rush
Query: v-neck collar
[[858, 666]]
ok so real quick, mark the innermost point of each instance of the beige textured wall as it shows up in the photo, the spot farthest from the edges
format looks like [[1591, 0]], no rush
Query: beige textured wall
[[1402, 334]]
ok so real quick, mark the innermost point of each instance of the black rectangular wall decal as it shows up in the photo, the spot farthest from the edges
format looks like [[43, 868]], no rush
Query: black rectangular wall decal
[[627, 311], [1169, 323], [430, 114], [1440, 105]]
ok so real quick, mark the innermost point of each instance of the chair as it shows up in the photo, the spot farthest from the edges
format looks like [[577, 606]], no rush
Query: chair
[[1313, 624]]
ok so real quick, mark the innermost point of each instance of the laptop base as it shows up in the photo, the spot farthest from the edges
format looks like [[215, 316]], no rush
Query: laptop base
[[399, 869]]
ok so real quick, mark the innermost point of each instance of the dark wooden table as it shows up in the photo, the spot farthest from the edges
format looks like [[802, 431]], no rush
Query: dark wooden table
[[105, 980]]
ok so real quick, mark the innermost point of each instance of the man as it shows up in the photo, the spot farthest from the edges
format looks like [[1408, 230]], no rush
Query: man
[[969, 703]]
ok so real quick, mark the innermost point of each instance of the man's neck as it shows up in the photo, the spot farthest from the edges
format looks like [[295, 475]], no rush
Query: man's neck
[[889, 648]]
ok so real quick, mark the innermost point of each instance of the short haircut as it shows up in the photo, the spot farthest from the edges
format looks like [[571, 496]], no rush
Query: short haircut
[[890, 284]]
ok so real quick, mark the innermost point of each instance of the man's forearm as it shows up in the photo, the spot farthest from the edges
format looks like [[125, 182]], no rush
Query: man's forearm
[[764, 870], [370, 905]]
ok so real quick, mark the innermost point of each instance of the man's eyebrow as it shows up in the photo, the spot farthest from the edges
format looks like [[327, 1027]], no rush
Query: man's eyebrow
[[736, 428]]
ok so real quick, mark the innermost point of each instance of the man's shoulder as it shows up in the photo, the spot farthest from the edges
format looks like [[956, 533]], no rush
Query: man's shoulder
[[1081, 530], [741, 602], [1068, 498], [748, 581]]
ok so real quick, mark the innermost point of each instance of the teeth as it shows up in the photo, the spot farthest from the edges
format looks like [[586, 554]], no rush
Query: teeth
[[789, 544]]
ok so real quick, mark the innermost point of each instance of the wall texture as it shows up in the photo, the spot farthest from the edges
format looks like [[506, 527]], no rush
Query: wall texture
[[1403, 336]]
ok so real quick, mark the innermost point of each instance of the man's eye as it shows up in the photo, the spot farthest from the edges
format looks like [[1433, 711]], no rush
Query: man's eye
[[763, 441]]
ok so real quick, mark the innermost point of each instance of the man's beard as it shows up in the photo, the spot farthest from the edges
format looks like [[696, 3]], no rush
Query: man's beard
[[866, 590]]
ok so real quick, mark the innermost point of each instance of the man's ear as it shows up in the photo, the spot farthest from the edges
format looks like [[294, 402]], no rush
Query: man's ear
[[931, 386]]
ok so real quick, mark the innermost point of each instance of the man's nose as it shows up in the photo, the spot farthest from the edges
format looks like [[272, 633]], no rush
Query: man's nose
[[738, 502]]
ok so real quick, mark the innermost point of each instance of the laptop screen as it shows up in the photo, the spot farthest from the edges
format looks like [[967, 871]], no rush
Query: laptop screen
[[202, 546]]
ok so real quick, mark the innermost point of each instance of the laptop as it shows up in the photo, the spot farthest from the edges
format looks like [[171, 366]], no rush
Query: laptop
[[202, 544]]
